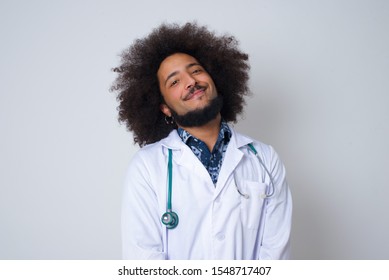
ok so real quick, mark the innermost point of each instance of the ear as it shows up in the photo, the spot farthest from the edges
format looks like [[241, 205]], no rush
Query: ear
[[165, 109]]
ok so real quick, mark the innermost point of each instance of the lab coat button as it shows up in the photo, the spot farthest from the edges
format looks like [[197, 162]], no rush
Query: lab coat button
[[220, 236]]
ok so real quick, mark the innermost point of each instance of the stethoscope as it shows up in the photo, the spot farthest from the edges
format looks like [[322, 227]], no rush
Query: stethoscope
[[170, 218]]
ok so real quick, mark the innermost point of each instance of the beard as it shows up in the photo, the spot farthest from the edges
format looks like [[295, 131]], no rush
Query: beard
[[199, 117]]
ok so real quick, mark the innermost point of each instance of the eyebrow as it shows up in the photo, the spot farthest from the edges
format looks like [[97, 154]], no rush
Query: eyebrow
[[176, 72]]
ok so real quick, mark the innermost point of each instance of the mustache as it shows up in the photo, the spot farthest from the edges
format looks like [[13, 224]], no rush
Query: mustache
[[193, 89]]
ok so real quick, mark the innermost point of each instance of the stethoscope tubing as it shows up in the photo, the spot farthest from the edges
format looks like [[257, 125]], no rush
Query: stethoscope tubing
[[268, 195], [170, 180], [170, 218]]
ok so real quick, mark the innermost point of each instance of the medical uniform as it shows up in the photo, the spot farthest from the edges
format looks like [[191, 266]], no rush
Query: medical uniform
[[230, 220]]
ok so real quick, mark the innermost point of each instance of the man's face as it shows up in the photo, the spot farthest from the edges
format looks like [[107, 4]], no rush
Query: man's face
[[185, 85]]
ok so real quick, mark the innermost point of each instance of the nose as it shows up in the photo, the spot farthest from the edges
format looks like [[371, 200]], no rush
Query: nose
[[190, 81]]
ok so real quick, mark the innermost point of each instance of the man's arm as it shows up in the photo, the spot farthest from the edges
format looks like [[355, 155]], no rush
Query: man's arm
[[141, 226], [278, 217]]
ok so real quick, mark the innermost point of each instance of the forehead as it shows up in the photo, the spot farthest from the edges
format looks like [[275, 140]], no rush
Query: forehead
[[175, 62]]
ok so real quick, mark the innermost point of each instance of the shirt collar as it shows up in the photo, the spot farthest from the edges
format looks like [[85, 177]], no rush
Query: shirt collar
[[224, 133]]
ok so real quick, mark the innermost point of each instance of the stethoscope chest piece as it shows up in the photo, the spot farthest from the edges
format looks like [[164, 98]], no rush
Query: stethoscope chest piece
[[170, 219]]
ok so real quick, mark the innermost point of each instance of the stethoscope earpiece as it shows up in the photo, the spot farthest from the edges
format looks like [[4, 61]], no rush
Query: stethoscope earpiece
[[170, 219]]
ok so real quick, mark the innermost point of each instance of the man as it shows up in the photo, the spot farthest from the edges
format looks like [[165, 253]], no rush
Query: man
[[197, 189]]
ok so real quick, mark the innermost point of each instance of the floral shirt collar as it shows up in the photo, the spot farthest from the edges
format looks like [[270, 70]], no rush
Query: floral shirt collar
[[212, 160]]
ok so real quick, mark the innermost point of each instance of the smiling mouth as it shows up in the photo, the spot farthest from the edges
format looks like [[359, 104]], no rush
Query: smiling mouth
[[194, 91]]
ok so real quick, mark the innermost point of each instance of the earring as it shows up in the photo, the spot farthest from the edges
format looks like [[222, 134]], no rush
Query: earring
[[169, 120]]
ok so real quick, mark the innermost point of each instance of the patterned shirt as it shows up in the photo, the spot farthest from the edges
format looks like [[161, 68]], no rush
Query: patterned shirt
[[212, 161]]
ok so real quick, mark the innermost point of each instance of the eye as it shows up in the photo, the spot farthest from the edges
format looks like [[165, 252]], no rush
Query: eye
[[195, 71], [173, 83]]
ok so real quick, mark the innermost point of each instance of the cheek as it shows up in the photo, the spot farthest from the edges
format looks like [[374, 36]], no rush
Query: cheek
[[173, 94], [170, 98]]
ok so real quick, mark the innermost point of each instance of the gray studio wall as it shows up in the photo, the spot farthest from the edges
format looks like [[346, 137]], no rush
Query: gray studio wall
[[319, 77]]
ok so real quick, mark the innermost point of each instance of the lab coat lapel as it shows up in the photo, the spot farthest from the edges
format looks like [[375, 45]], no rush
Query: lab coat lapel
[[183, 155], [189, 160], [231, 159]]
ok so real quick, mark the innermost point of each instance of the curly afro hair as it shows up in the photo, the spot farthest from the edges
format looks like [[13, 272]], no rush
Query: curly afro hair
[[137, 84]]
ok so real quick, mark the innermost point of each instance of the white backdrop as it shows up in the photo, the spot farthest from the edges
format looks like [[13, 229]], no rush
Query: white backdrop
[[319, 77]]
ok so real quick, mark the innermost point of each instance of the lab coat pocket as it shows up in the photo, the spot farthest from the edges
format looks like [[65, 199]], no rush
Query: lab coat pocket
[[251, 203]]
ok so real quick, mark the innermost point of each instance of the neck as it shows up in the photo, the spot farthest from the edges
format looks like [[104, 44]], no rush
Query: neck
[[207, 133]]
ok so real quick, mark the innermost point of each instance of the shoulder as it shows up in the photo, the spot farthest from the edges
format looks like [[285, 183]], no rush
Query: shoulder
[[241, 141], [152, 152], [266, 152]]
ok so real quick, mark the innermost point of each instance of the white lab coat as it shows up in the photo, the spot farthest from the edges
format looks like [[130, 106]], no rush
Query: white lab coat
[[215, 222]]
